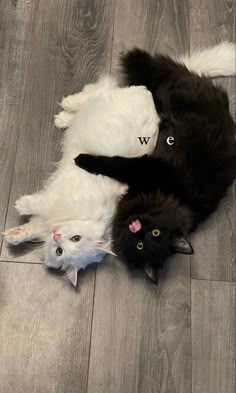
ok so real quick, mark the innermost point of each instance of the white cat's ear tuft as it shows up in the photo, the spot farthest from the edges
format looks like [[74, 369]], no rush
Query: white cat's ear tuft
[[72, 275], [105, 246]]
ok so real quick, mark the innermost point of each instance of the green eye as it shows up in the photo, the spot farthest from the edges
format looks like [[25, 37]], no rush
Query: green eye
[[59, 251], [75, 238], [139, 245], [156, 232]]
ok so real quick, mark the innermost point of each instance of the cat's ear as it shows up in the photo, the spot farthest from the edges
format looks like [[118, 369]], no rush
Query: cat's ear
[[105, 246], [152, 273], [182, 245], [72, 275]]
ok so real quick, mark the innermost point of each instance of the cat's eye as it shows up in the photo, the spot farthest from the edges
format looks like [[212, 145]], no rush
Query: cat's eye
[[156, 232], [139, 245], [59, 251], [75, 238]]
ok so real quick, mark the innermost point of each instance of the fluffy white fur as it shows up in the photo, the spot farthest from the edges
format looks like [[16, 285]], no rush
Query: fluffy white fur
[[102, 119], [213, 62]]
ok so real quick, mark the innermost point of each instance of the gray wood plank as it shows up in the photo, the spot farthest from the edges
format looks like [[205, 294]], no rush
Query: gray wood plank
[[15, 31], [141, 336], [213, 324], [214, 244], [45, 329], [9, 118], [71, 45], [151, 25], [16, 26]]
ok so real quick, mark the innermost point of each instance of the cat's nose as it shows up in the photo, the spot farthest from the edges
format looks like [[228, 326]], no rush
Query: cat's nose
[[56, 236], [135, 226]]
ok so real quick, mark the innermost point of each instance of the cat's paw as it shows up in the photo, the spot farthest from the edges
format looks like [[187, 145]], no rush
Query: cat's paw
[[86, 162], [16, 235], [72, 103], [22, 205], [63, 120]]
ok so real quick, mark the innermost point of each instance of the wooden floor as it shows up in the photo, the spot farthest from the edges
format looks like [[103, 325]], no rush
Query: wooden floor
[[115, 333]]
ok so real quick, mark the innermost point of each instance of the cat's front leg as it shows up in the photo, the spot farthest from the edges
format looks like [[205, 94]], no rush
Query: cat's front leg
[[29, 204], [88, 163], [24, 233], [125, 170], [143, 172]]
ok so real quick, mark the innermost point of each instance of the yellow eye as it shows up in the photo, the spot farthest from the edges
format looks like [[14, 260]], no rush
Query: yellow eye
[[139, 245], [156, 232], [59, 251], [75, 238]]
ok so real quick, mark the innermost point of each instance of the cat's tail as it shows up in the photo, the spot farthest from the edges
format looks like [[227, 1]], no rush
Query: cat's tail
[[220, 60], [140, 68]]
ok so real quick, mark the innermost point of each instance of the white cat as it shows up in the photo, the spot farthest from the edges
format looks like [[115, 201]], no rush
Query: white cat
[[72, 213]]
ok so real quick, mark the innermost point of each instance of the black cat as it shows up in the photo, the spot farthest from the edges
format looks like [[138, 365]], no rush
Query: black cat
[[180, 185]]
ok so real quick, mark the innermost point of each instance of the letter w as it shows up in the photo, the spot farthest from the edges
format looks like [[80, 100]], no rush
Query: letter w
[[144, 139]]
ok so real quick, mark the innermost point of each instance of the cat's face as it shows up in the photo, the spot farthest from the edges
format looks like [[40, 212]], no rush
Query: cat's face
[[74, 243], [148, 240]]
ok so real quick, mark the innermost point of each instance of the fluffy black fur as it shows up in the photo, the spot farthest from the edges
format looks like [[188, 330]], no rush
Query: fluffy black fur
[[179, 186]]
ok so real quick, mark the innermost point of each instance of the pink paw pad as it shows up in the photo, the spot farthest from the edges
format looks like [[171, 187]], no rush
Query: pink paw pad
[[15, 231]]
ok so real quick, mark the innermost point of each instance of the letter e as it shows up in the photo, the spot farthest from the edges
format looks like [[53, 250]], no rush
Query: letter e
[[170, 140]]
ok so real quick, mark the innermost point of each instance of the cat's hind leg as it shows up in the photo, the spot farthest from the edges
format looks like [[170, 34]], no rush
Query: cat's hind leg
[[71, 106], [64, 119], [73, 102], [23, 233]]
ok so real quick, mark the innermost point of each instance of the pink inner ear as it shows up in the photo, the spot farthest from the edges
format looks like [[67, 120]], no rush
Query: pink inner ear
[[103, 245], [135, 226]]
